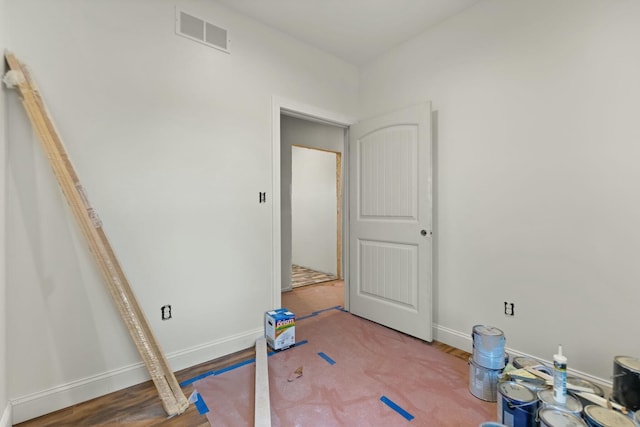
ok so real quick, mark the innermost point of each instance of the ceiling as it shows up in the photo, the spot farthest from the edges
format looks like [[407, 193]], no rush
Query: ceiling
[[354, 30]]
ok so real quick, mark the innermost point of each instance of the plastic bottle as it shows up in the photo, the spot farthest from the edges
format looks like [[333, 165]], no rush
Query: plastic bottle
[[560, 377]]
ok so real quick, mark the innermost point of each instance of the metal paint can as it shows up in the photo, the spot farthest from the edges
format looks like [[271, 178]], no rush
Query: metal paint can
[[517, 405], [626, 382], [483, 382], [550, 417], [597, 416], [596, 389], [572, 405], [488, 346]]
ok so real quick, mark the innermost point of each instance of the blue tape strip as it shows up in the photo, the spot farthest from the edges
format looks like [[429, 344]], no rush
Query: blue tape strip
[[315, 313], [231, 368], [329, 360], [194, 379], [396, 408], [201, 406]]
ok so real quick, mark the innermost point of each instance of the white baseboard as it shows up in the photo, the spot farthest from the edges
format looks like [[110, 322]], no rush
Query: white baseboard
[[43, 402], [6, 420], [463, 341]]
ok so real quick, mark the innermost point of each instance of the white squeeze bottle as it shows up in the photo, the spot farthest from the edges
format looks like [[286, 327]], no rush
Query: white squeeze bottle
[[560, 377]]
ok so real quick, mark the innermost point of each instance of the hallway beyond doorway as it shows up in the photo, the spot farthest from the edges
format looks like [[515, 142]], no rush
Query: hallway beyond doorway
[[303, 276]]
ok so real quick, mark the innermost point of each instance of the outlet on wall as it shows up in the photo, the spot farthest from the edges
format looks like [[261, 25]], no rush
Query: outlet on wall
[[165, 311], [509, 309]]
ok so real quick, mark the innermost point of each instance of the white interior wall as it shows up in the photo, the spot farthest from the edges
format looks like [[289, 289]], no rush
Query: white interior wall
[[172, 141], [297, 131], [5, 408], [536, 171], [314, 209]]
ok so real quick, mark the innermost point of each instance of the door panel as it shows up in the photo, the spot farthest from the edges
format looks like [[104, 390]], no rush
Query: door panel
[[390, 220]]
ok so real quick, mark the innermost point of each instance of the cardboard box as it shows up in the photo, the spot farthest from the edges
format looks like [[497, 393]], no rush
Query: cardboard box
[[280, 328]]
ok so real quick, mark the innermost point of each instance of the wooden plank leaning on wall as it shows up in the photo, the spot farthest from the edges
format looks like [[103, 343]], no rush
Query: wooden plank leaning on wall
[[173, 399]]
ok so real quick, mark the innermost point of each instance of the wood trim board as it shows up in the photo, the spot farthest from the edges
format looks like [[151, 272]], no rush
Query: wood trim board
[[173, 399]]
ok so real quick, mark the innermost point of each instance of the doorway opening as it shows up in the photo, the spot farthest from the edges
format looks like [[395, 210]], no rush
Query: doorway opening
[[311, 202], [306, 128], [316, 215]]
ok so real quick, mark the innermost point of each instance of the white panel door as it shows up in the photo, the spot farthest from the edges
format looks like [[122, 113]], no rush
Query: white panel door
[[390, 216]]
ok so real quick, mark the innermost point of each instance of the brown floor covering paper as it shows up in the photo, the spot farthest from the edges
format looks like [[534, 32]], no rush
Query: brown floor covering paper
[[371, 362]]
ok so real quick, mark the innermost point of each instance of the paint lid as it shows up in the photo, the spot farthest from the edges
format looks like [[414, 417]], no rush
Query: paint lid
[[487, 330], [607, 417], [558, 418], [632, 363], [525, 362], [572, 404], [516, 392], [579, 382]]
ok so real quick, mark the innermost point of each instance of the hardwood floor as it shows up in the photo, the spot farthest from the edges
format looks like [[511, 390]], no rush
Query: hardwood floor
[[139, 406]]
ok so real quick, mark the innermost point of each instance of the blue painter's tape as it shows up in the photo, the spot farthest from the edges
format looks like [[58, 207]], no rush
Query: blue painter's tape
[[231, 368], [329, 360], [315, 313], [201, 406], [396, 408], [194, 379]]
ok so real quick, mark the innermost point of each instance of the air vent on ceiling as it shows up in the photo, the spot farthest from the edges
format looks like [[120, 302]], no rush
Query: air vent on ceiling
[[201, 31]]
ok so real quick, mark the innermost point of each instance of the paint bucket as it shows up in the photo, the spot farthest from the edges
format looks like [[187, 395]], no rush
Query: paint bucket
[[488, 347], [483, 382], [572, 405], [595, 389], [626, 382], [550, 417], [517, 405], [597, 416], [580, 382], [533, 386]]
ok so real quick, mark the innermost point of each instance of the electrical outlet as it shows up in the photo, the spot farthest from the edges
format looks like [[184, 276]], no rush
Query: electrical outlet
[[165, 311], [509, 309]]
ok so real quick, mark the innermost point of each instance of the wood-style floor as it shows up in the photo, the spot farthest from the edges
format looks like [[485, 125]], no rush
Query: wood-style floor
[[139, 406]]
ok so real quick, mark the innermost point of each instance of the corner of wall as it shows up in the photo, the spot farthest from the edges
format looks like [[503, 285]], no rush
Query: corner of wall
[[5, 419]]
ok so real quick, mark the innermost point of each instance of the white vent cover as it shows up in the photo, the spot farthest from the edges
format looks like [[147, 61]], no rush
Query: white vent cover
[[201, 31]]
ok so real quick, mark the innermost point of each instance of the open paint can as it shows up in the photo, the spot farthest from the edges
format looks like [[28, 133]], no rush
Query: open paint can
[[572, 405], [597, 416], [626, 382], [550, 417], [483, 382], [488, 347], [517, 405]]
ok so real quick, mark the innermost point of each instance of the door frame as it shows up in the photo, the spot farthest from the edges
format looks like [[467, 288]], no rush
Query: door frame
[[307, 112]]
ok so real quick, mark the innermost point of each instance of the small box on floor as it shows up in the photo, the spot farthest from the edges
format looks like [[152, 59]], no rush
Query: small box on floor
[[280, 328]]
